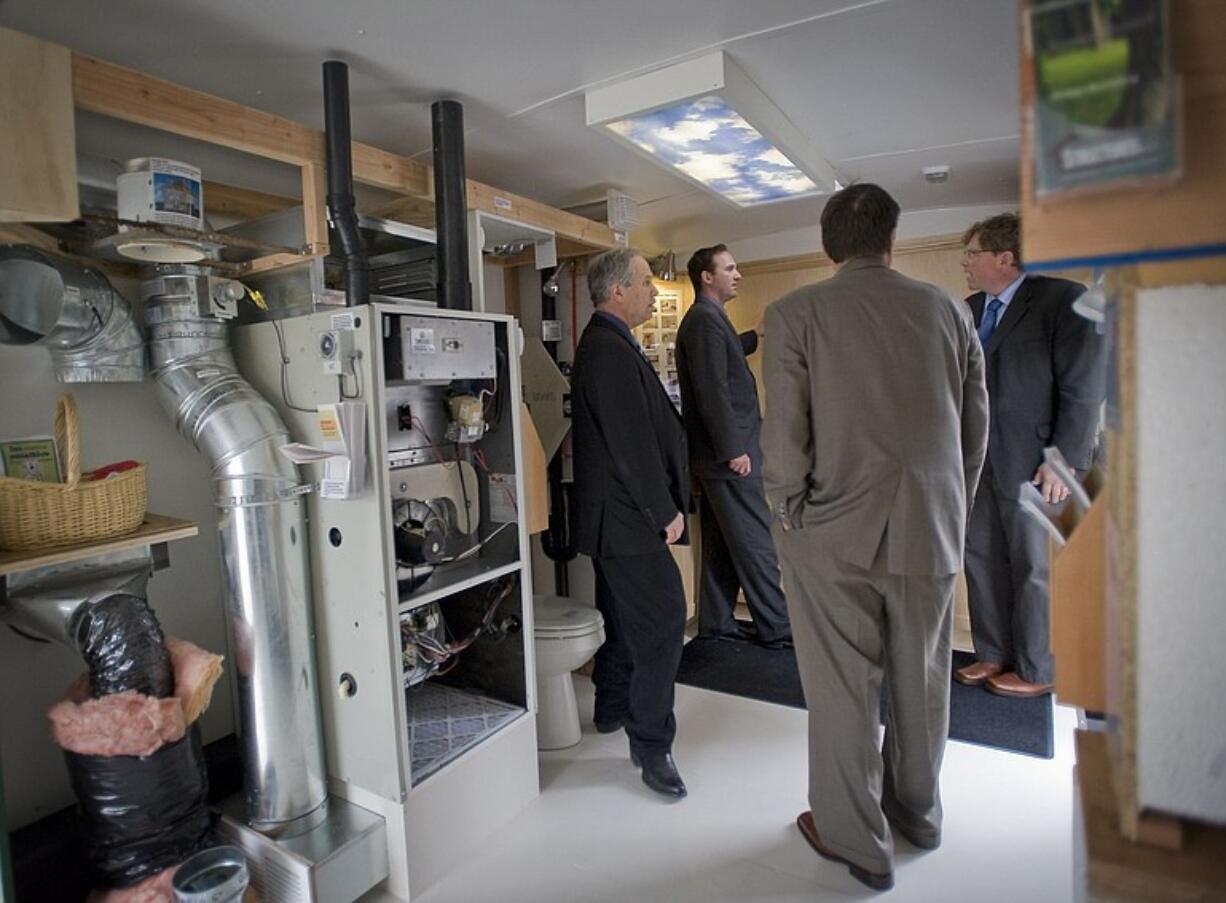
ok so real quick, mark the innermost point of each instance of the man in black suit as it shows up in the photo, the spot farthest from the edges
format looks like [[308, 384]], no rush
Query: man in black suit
[[631, 487], [719, 401], [1045, 375]]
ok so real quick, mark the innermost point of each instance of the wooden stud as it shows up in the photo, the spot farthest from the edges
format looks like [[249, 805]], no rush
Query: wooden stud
[[314, 209], [534, 213], [243, 203], [121, 93], [131, 96], [414, 211]]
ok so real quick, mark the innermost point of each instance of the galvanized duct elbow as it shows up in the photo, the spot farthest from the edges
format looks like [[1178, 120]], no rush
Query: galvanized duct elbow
[[73, 310], [262, 528]]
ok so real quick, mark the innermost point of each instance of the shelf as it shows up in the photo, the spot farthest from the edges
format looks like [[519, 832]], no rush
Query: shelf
[[157, 528], [464, 575]]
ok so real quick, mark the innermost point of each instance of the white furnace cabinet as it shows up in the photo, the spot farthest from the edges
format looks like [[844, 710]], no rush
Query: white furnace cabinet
[[422, 589]]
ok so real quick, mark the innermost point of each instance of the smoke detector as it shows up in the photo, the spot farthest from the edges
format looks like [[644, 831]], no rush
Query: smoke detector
[[936, 174], [622, 211]]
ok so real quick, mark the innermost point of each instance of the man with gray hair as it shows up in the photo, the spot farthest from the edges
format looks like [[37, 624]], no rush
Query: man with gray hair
[[631, 492]]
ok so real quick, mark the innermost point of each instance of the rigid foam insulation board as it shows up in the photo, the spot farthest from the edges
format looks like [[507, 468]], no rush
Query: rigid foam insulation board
[[1181, 542]]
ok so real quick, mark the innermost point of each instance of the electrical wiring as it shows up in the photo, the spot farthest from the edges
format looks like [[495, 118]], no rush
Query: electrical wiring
[[468, 553], [437, 652], [284, 368], [415, 421], [497, 480]]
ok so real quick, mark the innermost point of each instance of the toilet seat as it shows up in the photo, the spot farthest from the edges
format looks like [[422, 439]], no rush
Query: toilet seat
[[560, 619]]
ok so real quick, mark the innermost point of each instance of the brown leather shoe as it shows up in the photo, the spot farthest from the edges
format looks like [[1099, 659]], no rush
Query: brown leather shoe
[[874, 880], [977, 673], [1010, 684]]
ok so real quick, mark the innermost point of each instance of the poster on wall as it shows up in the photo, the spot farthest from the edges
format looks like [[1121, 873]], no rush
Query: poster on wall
[[1106, 105]]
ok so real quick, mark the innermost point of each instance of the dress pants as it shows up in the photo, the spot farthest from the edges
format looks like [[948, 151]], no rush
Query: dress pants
[[738, 552], [642, 600], [852, 627], [1006, 579]]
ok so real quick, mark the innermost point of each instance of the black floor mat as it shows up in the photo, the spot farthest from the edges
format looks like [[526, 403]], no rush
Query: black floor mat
[[976, 716]]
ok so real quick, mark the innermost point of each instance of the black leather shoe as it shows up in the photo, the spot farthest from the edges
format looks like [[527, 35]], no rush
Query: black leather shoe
[[608, 727], [660, 773]]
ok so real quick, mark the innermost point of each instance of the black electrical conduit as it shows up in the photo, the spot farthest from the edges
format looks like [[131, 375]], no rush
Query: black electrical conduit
[[450, 205], [341, 210]]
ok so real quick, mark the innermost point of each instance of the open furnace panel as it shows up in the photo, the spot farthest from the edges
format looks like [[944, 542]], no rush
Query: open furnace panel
[[421, 583]]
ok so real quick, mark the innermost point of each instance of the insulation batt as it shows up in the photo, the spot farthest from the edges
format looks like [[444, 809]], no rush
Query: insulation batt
[[154, 889], [129, 724]]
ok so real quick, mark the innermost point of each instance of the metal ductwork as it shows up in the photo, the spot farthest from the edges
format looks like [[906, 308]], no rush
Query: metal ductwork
[[51, 602], [450, 205], [263, 533], [341, 209], [72, 310]]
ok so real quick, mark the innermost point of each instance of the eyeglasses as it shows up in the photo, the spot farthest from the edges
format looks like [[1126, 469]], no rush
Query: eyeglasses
[[969, 255]]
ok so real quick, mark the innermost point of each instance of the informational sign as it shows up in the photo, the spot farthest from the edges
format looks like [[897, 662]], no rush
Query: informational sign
[[1106, 99]]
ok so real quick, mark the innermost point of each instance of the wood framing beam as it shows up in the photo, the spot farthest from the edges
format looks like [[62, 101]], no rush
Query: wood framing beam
[[315, 208], [816, 259], [565, 225], [243, 203], [131, 96], [414, 211], [101, 87]]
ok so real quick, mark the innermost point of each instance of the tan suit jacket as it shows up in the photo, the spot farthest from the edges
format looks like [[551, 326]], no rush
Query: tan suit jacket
[[876, 418]]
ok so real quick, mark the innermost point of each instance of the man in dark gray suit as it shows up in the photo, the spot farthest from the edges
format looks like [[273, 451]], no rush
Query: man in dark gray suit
[[876, 425], [719, 401], [632, 484], [1045, 374]]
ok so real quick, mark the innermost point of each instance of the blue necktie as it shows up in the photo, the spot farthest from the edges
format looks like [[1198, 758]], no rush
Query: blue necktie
[[988, 324]]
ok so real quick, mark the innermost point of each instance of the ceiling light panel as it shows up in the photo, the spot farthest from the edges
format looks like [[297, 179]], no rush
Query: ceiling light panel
[[707, 121]]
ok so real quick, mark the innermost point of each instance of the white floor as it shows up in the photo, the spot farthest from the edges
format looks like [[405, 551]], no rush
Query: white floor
[[597, 835]]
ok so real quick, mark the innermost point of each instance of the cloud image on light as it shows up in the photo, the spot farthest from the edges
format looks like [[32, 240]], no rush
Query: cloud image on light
[[709, 141]]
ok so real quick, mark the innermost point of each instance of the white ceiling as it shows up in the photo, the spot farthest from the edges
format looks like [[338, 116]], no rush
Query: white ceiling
[[882, 87]]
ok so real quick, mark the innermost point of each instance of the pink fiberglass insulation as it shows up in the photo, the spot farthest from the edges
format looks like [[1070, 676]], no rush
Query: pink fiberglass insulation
[[124, 724], [130, 724]]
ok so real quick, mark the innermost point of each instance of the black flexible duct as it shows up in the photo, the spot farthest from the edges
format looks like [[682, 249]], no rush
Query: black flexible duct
[[450, 205], [121, 641], [341, 209]]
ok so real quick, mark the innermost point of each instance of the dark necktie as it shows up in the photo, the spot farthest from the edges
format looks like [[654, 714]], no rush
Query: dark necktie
[[988, 324]]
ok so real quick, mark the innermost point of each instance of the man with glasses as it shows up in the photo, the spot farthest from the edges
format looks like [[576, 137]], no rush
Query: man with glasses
[[1045, 379]]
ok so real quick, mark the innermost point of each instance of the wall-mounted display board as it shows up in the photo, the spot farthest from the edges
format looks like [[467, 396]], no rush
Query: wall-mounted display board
[[1141, 221], [1106, 109]]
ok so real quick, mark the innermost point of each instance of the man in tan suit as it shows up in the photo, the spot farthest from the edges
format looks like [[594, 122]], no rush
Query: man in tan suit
[[875, 434]]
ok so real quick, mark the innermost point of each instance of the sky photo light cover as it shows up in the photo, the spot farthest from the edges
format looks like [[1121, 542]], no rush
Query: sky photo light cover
[[709, 141]]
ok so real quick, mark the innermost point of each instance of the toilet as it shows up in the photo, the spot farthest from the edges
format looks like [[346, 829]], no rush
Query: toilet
[[567, 635]]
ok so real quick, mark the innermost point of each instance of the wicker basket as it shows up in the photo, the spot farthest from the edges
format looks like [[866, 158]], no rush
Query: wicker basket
[[36, 515]]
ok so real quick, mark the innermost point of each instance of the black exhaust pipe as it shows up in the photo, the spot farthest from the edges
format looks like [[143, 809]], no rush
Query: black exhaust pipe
[[341, 209], [450, 205]]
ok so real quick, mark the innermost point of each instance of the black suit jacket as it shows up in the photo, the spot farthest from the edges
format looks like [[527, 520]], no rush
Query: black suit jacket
[[719, 397], [1046, 377], [631, 474]]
